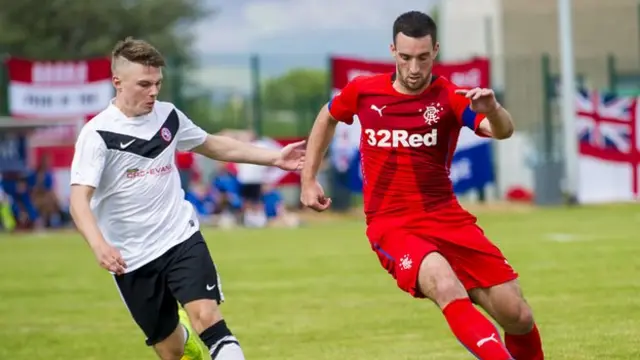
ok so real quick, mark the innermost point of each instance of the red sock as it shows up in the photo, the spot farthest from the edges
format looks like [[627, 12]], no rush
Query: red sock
[[525, 347], [475, 331]]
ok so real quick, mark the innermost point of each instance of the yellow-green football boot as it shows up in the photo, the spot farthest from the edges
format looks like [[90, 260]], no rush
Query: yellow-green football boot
[[194, 349]]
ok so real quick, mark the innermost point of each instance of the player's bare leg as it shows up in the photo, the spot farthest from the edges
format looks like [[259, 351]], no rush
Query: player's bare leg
[[438, 282], [206, 319], [506, 304], [171, 348], [182, 344]]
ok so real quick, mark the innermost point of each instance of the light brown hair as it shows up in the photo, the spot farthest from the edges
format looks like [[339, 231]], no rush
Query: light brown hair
[[136, 51]]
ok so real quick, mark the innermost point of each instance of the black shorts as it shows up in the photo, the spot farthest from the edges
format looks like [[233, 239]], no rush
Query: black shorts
[[251, 192], [183, 274]]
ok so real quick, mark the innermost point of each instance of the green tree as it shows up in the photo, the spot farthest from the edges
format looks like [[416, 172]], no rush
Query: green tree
[[297, 89], [71, 29], [291, 101]]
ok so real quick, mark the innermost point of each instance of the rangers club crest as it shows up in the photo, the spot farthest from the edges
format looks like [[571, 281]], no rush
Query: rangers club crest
[[166, 134], [432, 114]]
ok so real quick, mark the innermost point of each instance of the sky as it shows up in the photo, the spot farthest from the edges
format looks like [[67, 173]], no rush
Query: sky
[[289, 33], [302, 26]]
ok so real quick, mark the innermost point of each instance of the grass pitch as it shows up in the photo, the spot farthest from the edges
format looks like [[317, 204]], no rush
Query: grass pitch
[[318, 293]]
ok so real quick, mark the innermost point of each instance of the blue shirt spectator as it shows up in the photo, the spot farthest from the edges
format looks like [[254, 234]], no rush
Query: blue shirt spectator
[[272, 201]]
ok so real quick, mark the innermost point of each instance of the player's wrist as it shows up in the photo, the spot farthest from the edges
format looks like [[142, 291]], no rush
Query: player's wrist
[[97, 243], [275, 158], [307, 179], [494, 110]]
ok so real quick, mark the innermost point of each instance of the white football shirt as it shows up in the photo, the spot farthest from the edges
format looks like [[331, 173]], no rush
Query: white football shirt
[[138, 202]]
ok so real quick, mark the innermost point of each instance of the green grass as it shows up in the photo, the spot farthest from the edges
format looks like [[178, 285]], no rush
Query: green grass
[[319, 293]]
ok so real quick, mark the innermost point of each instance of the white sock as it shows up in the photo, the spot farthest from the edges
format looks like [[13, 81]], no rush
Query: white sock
[[186, 334], [226, 349], [255, 219]]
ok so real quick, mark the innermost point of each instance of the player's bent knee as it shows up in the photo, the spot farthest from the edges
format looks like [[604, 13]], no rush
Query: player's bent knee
[[438, 282], [517, 318], [203, 314], [522, 320]]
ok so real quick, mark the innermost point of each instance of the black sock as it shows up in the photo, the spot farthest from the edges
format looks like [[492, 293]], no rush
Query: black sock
[[218, 336]]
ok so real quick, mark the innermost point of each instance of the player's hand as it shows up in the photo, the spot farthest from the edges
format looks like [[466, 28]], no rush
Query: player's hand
[[312, 196], [109, 258], [291, 157], [483, 101]]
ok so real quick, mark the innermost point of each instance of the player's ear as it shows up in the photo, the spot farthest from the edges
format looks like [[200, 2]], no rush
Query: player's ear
[[393, 50], [436, 49], [117, 82]]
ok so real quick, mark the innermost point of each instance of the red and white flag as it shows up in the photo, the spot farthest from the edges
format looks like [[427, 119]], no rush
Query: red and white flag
[[609, 147], [58, 89]]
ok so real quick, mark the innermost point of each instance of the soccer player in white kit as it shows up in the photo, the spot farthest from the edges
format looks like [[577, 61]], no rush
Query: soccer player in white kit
[[127, 202]]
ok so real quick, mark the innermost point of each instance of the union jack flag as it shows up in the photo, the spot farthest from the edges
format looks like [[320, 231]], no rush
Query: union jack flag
[[607, 129]]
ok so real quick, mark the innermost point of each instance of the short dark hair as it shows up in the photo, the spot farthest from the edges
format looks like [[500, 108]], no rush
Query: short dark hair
[[137, 51], [415, 24]]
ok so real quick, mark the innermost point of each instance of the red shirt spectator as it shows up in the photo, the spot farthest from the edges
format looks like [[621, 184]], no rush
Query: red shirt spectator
[[185, 160]]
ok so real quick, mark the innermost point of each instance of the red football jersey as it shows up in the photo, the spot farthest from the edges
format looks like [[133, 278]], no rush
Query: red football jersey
[[407, 142]]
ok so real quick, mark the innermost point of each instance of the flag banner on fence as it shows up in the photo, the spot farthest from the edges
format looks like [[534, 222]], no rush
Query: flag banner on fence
[[58, 89], [472, 73], [472, 165], [609, 142]]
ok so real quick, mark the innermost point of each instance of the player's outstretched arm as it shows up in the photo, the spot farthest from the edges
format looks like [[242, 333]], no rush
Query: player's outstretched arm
[[320, 137], [107, 256], [312, 194], [224, 148]]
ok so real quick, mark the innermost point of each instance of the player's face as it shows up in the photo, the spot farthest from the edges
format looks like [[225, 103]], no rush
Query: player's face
[[138, 86], [414, 60]]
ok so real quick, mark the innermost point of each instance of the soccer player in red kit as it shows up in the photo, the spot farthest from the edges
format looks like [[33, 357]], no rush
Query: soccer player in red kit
[[422, 236]]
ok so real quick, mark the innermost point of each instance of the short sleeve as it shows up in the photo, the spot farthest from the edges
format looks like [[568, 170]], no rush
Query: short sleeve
[[462, 108], [189, 134], [88, 159], [344, 105]]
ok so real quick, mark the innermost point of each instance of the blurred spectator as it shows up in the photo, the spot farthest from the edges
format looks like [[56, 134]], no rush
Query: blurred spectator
[[185, 162], [202, 200], [275, 209], [227, 186], [7, 221], [17, 188], [43, 195], [252, 178]]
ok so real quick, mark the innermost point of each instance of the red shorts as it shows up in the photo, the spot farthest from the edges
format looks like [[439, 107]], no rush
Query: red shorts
[[477, 262]]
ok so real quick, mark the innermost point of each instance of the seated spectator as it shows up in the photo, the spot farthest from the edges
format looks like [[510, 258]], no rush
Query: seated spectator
[[43, 195], [202, 200], [227, 186], [7, 221], [17, 188], [186, 164], [272, 200], [275, 209]]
